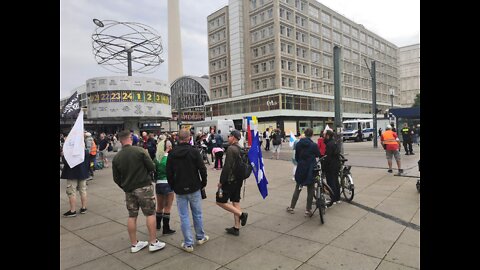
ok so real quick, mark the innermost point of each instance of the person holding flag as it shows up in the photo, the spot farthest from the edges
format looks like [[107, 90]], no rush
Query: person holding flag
[[229, 186], [76, 167]]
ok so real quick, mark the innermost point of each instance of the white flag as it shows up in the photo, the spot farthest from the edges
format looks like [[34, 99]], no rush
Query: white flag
[[74, 146], [327, 128], [292, 139]]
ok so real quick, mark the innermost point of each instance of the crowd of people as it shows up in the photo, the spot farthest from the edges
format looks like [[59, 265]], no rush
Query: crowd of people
[[153, 170]]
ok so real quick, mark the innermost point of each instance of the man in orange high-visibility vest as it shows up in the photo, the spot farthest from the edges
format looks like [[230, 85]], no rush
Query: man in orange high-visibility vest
[[391, 144]]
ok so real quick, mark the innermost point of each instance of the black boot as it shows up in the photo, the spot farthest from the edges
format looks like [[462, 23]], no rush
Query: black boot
[[159, 220], [166, 224]]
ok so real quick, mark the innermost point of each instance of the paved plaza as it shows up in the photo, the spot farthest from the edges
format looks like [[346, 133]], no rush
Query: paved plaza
[[379, 230]]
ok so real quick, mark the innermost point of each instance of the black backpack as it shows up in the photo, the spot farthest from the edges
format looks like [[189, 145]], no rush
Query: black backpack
[[243, 170]]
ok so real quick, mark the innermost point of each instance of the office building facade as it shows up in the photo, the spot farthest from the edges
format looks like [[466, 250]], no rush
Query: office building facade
[[274, 59], [409, 73]]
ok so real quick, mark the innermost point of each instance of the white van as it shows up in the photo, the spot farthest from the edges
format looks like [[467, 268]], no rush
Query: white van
[[351, 127], [223, 125]]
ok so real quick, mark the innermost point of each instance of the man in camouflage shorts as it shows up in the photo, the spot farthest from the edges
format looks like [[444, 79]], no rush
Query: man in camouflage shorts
[[131, 172]]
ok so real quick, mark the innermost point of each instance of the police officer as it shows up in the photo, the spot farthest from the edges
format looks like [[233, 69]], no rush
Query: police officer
[[407, 139]]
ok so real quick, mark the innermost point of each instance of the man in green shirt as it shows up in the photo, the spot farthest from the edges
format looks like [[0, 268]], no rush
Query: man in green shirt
[[131, 172]]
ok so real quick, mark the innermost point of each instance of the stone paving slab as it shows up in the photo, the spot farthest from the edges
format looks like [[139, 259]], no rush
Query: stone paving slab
[[263, 259], [334, 258], [386, 265], [405, 255], [372, 235], [103, 263]]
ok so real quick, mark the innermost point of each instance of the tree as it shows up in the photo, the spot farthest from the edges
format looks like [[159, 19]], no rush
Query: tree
[[416, 101]]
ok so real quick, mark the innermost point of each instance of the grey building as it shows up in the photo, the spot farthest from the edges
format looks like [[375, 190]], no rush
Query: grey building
[[409, 72], [274, 59]]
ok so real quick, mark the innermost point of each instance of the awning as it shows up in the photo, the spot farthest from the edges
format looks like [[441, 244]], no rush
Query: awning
[[413, 112]]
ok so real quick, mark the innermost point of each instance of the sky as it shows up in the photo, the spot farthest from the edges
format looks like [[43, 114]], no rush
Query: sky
[[396, 21]]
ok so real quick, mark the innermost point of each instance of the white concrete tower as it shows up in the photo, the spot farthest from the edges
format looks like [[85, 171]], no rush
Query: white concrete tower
[[175, 57]]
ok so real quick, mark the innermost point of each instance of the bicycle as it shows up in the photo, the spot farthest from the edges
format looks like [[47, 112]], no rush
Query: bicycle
[[346, 180], [322, 193], [203, 152]]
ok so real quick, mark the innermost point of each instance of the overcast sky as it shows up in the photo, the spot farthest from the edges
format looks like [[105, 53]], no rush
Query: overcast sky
[[396, 21]]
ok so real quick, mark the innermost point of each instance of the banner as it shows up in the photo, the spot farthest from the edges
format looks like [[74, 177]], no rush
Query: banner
[[256, 159], [72, 107], [74, 146], [292, 139]]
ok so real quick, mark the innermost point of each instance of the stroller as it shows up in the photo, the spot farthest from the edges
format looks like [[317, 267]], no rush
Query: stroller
[[418, 181]]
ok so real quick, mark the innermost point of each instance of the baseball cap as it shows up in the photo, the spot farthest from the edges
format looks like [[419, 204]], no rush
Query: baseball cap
[[235, 133]]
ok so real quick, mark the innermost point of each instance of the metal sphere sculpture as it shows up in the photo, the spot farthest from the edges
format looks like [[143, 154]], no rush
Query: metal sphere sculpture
[[126, 46]]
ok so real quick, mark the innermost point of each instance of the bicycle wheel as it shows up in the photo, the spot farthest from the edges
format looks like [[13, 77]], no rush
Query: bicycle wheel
[[348, 188], [328, 194], [205, 158], [319, 201]]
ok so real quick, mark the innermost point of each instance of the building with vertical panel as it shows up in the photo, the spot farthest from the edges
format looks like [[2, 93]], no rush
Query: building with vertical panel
[[274, 59], [409, 73]]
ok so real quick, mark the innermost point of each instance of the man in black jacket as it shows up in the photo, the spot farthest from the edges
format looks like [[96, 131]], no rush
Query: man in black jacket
[[229, 186], [184, 164], [131, 172], [332, 164]]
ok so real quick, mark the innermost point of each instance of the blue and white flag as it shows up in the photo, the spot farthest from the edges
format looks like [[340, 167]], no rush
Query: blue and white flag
[[292, 139], [255, 156], [74, 146]]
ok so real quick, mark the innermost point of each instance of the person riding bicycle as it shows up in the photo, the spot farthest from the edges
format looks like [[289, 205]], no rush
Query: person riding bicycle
[[331, 165], [306, 152]]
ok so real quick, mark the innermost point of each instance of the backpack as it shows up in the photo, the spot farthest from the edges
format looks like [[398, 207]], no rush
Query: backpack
[[243, 170], [265, 134]]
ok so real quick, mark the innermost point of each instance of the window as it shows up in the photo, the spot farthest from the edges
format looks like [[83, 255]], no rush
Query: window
[[325, 18], [362, 36], [313, 11], [346, 41], [337, 37], [355, 44], [355, 32], [327, 46], [355, 56], [315, 27], [336, 23], [326, 32], [315, 42], [327, 60], [346, 28], [370, 40]]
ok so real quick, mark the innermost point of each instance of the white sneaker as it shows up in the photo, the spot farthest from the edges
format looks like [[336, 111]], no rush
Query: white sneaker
[[204, 240], [139, 246], [186, 248], [156, 246]]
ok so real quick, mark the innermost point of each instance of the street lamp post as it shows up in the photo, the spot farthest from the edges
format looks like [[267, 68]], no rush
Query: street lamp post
[[392, 93], [337, 96]]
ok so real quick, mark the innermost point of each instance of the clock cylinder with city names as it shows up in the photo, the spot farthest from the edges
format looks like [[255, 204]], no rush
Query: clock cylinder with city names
[[126, 96]]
